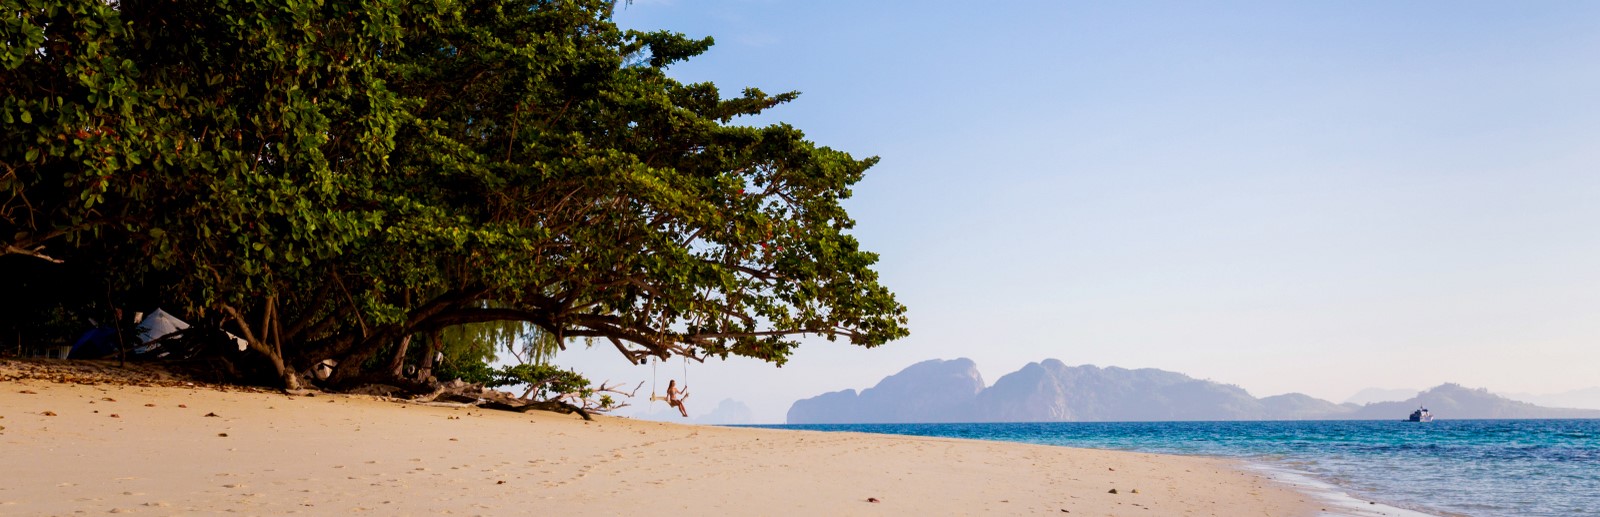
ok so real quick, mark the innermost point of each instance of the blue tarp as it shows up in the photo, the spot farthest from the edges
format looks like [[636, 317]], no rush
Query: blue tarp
[[97, 343]]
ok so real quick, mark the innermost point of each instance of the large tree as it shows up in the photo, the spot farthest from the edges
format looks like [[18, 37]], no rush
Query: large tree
[[330, 178]]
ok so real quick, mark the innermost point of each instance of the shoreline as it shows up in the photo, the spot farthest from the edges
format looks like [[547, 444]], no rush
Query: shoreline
[[1335, 500], [165, 449]]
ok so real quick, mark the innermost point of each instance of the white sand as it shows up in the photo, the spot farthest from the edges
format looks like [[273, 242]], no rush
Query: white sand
[[141, 453]]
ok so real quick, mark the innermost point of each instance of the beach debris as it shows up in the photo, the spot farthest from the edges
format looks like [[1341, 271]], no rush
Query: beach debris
[[1111, 469], [500, 482], [1113, 491], [184, 406], [1135, 491], [114, 415], [108, 399], [28, 392], [224, 435], [48, 413], [211, 414], [149, 405], [873, 500], [1064, 510]]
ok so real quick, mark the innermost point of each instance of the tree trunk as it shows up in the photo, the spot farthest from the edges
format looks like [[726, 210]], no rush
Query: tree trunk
[[435, 344], [291, 380], [350, 362], [398, 364]]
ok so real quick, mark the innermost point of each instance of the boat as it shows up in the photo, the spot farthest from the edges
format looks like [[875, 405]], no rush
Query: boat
[[1420, 415]]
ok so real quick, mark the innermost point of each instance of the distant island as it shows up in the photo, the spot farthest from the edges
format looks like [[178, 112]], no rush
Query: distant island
[[1050, 391]]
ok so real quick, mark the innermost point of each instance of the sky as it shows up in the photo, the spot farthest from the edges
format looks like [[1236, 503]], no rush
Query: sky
[[1313, 197]]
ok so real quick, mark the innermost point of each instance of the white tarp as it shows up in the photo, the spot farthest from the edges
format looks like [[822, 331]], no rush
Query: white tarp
[[158, 324]]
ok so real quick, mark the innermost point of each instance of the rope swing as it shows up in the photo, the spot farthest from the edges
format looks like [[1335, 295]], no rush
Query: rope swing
[[654, 379]]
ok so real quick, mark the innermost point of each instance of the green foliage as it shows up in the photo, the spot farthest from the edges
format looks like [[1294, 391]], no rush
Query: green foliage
[[476, 372], [543, 380], [329, 177], [480, 341]]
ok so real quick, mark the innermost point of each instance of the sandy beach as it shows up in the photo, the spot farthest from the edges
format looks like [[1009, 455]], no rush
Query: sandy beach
[[74, 448]]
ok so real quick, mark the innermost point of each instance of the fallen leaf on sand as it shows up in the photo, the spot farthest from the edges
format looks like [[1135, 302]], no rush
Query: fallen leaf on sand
[[211, 414], [48, 413], [224, 435], [28, 392], [114, 415], [872, 499], [149, 405], [1113, 491], [108, 399], [183, 406]]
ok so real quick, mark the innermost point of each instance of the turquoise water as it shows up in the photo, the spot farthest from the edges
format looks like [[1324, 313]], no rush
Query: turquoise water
[[1467, 467]]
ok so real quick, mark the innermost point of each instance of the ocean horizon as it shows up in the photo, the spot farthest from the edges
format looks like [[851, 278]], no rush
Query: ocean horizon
[[1486, 468]]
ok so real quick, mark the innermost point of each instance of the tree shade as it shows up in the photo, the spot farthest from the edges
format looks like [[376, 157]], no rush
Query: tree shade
[[328, 178]]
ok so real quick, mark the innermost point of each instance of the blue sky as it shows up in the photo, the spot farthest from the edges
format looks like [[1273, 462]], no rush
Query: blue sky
[[1289, 196]]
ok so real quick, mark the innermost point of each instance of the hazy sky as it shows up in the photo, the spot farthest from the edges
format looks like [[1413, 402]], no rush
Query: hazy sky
[[1288, 196]]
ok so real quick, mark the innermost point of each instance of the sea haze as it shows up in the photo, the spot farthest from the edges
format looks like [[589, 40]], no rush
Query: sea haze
[[1471, 467]]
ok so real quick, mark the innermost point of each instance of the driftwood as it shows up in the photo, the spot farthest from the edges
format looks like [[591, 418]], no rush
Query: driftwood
[[541, 405], [463, 393]]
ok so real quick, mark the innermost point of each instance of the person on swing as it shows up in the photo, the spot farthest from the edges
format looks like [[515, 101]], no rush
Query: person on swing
[[675, 397]]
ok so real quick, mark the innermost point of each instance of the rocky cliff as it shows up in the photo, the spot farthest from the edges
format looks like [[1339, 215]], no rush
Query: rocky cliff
[[929, 391], [1457, 402], [1051, 391]]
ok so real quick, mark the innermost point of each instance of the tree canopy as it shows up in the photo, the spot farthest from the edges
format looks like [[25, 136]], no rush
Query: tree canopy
[[327, 178]]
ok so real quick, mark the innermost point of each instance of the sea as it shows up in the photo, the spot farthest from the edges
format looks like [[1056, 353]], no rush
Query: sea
[[1482, 468]]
